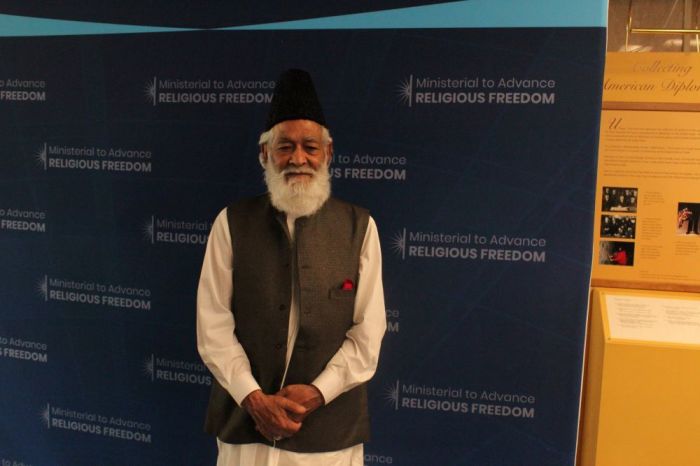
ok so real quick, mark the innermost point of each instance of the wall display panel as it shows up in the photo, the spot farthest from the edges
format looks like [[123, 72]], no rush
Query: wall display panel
[[472, 144], [647, 200], [647, 204]]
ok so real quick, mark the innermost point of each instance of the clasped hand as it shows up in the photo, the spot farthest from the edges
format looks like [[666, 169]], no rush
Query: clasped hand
[[280, 415]]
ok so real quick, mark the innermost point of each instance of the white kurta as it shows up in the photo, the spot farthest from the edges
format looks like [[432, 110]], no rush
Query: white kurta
[[354, 363]]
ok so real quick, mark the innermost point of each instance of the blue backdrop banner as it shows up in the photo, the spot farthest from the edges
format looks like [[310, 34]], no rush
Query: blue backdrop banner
[[469, 129]]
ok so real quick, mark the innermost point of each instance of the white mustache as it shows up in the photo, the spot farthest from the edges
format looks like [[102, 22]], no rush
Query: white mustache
[[305, 171]]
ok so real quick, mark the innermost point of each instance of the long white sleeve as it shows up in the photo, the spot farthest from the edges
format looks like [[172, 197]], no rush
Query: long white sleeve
[[216, 341], [356, 360]]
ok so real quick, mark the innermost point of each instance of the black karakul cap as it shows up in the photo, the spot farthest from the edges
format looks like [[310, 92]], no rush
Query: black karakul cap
[[295, 99]]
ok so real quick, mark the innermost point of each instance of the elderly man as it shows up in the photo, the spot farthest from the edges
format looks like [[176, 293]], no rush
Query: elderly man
[[290, 305]]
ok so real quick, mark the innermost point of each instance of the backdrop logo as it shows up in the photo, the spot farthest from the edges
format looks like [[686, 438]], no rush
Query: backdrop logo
[[93, 158], [24, 350], [45, 416], [164, 91], [12, 219], [22, 90], [405, 91], [457, 400], [42, 156], [176, 231], [362, 166], [54, 417], [177, 371], [468, 246], [93, 293], [392, 395], [398, 243], [475, 90], [43, 287], [149, 367], [152, 91]]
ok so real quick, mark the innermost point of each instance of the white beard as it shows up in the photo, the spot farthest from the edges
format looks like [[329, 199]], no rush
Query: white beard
[[298, 198]]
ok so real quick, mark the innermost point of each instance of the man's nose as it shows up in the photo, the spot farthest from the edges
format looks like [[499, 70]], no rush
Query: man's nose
[[298, 156]]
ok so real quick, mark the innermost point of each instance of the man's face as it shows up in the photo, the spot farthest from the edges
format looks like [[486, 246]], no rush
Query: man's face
[[296, 167], [297, 150]]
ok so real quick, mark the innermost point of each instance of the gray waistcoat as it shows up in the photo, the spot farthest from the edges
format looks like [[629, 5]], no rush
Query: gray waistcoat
[[325, 253]]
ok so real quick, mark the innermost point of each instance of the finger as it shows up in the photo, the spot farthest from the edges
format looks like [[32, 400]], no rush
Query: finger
[[269, 427], [285, 427], [277, 423], [287, 424], [292, 406], [296, 417]]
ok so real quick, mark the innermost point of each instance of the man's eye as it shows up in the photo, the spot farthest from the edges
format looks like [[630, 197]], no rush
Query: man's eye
[[311, 149], [284, 148]]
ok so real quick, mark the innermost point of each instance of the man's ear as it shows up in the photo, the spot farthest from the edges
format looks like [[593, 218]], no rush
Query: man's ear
[[262, 155], [329, 153]]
